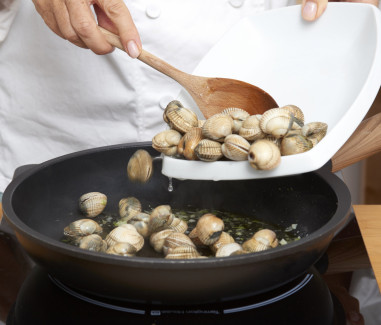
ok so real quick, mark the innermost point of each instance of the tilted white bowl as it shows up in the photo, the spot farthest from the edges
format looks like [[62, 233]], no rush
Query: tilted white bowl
[[330, 68]]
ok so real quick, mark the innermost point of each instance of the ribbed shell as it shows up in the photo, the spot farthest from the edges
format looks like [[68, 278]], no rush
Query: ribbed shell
[[315, 131], [209, 228], [273, 139], [167, 142], [188, 143], [182, 119], [238, 115], [176, 239], [264, 155], [228, 249], [294, 144], [208, 150], [178, 225], [250, 129], [141, 216], [174, 104], [139, 167], [82, 227], [160, 218], [201, 123], [125, 234], [224, 239], [92, 204], [276, 121], [298, 114], [157, 239], [266, 237], [183, 252], [252, 245], [141, 227], [93, 243], [217, 127], [235, 147], [122, 249], [129, 207]]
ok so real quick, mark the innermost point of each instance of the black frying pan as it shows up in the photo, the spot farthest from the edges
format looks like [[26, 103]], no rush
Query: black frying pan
[[40, 202]]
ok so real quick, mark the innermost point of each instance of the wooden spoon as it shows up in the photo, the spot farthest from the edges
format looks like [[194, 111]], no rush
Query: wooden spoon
[[212, 95]]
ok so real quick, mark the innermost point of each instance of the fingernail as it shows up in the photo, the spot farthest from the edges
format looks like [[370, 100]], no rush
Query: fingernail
[[309, 10], [354, 316], [132, 49]]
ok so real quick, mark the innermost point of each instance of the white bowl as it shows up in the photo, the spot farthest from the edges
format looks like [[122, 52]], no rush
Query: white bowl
[[330, 68]]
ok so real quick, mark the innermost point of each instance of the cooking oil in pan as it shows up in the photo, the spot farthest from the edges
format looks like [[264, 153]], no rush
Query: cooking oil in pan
[[240, 227]]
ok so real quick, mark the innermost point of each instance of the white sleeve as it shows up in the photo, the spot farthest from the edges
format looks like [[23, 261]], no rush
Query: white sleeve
[[8, 10]]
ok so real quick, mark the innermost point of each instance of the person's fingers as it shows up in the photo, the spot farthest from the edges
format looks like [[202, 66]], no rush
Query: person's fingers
[[63, 21], [84, 24], [118, 15], [313, 9], [45, 9]]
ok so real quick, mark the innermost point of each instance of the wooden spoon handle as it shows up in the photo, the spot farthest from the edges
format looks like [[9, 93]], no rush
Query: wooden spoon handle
[[148, 58], [364, 142]]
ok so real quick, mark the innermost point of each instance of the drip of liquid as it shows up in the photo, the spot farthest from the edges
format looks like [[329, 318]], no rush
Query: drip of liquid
[[170, 185]]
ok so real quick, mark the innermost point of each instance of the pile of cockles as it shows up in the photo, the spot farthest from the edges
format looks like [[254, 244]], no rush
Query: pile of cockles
[[166, 233], [236, 135]]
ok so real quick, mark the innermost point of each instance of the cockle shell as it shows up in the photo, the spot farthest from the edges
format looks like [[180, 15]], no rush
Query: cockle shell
[[238, 115], [273, 139], [224, 239], [93, 243], [141, 227], [140, 167], [297, 113], [157, 239], [262, 240], [122, 249], [277, 122], [250, 129], [178, 225], [129, 207], [264, 155], [172, 105], [201, 123], [266, 237], [228, 249], [167, 142], [208, 150], [208, 229], [188, 143], [315, 131], [293, 144], [217, 127], [176, 239], [160, 218], [183, 252], [181, 119], [235, 147], [92, 204], [82, 227], [125, 234], [141, 216]]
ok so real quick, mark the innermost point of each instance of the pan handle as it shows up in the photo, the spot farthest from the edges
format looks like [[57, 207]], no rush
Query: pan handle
[[364, 142]]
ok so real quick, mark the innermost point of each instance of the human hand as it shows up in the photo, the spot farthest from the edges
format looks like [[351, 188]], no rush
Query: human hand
[[74, 21], [313, 9]]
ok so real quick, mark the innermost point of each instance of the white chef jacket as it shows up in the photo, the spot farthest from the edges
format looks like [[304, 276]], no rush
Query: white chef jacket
[[56, 98]]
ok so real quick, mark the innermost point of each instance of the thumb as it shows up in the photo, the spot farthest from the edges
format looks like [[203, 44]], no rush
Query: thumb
[[313, 9]]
